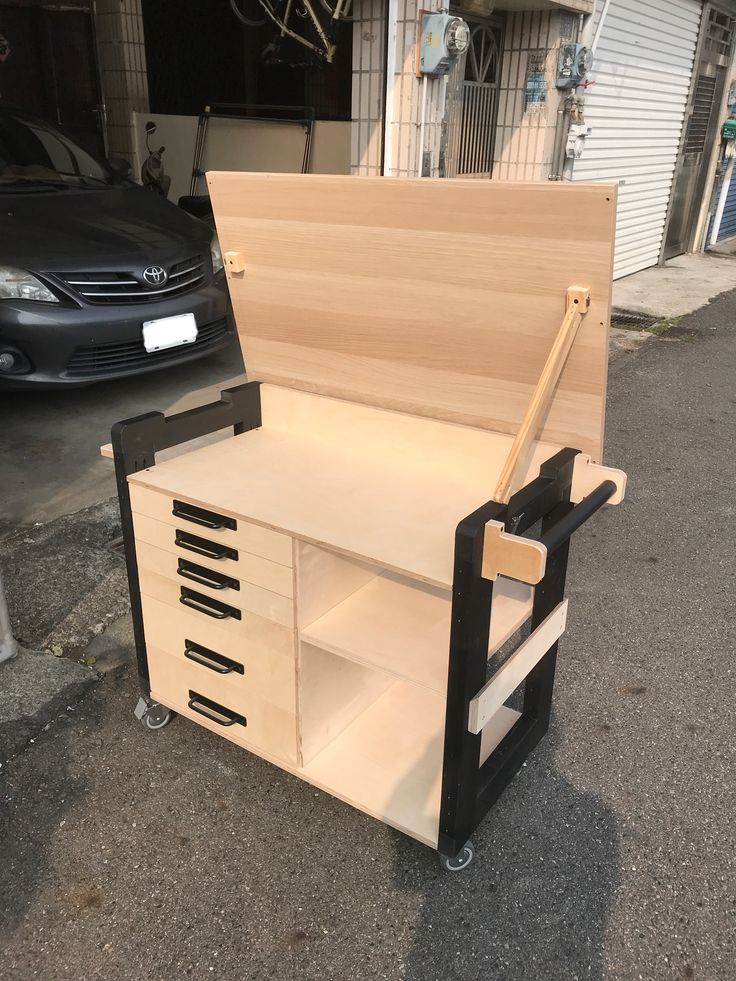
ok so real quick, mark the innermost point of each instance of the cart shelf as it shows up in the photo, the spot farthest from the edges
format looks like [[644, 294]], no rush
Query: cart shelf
[[403, 627], [388, 761]]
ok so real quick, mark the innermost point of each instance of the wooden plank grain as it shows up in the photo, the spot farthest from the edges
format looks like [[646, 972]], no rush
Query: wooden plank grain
[[441, 298]]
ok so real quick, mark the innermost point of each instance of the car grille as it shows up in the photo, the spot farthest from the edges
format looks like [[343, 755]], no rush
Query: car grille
[[122, 287], [98, 360]]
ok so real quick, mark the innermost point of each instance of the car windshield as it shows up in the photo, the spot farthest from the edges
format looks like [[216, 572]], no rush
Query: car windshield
[[34, 155]]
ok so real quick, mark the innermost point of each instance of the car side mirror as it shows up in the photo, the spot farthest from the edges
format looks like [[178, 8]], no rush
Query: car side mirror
[[120, 166]]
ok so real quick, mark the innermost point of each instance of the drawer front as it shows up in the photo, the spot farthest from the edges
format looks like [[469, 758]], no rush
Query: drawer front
[[212, 525], [153, 536], [246, 715], [264, 655], [228, 608]]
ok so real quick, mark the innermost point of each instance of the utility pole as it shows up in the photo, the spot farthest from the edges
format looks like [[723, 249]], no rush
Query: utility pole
[[8, 646]]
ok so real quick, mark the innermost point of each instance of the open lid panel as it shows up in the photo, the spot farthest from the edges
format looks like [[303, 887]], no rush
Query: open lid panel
[[434, 297]]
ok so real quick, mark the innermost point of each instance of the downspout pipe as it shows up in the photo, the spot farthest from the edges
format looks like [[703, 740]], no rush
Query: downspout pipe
[[388, 107]]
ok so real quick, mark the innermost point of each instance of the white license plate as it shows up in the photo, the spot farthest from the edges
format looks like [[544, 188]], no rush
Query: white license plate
[[158, 335]]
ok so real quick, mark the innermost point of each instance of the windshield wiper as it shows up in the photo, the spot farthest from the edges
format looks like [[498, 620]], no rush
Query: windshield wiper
[[33, 184], [87, 177]]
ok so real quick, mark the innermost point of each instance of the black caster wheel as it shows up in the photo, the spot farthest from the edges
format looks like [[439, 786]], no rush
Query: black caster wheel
[[460, 861], [153, 715]]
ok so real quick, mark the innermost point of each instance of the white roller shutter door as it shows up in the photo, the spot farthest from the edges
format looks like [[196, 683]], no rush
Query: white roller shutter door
[[642, 73]]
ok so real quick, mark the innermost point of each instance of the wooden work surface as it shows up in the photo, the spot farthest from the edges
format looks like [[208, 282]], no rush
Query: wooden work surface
[[434, 297], [373, 483]]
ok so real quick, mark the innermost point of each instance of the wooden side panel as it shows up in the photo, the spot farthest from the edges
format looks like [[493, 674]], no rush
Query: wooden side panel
[[441, 298]]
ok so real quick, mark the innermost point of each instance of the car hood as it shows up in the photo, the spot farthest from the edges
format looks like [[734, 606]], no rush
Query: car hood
[[89, 229]]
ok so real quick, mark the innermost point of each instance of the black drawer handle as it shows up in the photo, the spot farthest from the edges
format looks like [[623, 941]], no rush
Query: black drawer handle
[[210, 550], [205, 576], [211, 659], [211, 607], [208, 519], [215, 712]]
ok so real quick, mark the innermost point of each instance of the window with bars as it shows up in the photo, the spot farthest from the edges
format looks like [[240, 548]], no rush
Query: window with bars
[[719, 34]]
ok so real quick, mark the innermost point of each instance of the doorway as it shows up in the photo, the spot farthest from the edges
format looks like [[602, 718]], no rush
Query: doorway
[[700, 130], [50, 69], [472, 100]]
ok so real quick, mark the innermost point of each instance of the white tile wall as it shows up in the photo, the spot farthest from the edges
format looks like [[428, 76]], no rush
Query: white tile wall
[[525, 136], [405, 109], [122, 57]]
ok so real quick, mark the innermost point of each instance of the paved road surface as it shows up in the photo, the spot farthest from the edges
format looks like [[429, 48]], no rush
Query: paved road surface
[[130, 855]]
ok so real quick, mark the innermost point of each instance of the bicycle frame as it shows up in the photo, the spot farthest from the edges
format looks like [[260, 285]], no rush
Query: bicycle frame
[[326, 47]]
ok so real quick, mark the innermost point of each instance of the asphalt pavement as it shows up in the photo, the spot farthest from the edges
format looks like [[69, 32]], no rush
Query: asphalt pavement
[[128, 854]]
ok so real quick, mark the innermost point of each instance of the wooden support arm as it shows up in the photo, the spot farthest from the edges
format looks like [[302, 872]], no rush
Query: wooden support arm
[[578, 302]]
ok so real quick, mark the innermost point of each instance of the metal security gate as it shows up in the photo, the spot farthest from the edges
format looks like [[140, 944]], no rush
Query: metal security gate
[[702, 130], [473, 98], [642, 72]]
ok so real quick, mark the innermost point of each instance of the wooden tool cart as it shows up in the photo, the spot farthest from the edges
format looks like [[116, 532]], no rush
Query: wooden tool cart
[[330, 585]]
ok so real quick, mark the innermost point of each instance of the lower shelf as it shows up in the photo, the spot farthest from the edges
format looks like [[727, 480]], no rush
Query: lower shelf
[[388, 761]]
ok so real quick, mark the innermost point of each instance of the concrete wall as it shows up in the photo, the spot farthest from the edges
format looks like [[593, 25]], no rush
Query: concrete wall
[[241, 145]]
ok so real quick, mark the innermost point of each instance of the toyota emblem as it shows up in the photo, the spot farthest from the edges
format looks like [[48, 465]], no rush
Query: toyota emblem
[[155, 275]]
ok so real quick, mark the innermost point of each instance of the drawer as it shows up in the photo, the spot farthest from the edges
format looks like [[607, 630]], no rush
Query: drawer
[[241, 713], [265, 653], [273, 576], [230, 609], [212, 525], [190, 568]]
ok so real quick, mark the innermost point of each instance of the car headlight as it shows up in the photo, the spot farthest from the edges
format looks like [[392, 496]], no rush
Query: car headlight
[[17, 284], [216, 253]]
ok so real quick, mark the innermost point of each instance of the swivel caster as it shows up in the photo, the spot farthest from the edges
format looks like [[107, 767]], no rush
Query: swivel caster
[[460, 861], [152, 714]]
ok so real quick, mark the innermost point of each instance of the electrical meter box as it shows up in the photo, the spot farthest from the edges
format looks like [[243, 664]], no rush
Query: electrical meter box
[[443, 39], [728, 133], [574, 63]]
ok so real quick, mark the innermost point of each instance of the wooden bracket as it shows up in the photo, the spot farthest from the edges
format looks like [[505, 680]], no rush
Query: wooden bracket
[[512, 556], [511, 674], [586, 476], [234, 262], [578, 303]]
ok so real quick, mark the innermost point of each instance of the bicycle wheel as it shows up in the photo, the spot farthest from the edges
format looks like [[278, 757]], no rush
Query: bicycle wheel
[[249, 12]]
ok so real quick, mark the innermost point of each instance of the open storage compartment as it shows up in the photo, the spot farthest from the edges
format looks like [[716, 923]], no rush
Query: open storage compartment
[[372, 679]]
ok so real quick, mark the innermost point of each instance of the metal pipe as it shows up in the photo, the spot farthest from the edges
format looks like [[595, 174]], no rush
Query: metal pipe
[[560, 136], [8, 646], [721, 206], [422, 125], [388, 109], [567, 526]]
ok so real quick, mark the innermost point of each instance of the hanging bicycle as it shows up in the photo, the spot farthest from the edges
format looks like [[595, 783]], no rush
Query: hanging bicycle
[[318, 20]]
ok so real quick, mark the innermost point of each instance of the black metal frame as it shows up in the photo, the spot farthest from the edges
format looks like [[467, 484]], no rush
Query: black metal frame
[[303, 116], [470, 789], [135, 444]]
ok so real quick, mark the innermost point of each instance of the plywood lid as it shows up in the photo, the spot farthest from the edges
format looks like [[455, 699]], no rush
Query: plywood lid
[[435, 297]]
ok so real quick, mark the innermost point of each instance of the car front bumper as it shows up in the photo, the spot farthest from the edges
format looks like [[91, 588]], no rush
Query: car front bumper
[[68, 345]]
